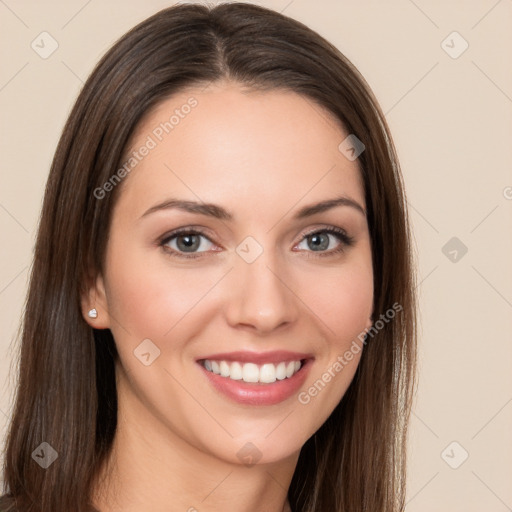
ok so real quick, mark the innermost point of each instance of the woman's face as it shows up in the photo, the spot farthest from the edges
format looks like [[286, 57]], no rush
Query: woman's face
[[260, 280]]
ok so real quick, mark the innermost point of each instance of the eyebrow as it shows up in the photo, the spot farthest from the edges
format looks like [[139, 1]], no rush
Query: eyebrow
[[218, 212]]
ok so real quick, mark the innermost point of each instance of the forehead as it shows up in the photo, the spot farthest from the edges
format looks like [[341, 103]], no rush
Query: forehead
[[228, 145]]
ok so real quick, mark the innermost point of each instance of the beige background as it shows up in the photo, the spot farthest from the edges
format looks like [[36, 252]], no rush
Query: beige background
[[451, 119]]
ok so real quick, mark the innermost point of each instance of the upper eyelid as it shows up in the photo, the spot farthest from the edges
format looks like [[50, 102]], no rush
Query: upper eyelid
[[202, 232]]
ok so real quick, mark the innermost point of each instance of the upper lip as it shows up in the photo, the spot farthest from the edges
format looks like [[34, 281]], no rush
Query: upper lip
[[275, 356]]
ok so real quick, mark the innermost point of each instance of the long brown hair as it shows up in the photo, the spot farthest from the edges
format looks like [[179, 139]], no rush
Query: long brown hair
[[66, 394]]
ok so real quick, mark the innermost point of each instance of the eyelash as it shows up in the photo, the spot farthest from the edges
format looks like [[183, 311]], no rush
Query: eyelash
[[346, 241]]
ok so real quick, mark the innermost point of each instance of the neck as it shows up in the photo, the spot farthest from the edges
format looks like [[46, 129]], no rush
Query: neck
[[152, 468]]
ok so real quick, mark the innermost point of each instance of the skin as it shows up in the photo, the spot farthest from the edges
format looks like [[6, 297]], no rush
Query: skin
[[262, 156]]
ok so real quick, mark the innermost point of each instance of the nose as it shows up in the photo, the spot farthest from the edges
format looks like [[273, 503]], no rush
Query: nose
[[260, 297]]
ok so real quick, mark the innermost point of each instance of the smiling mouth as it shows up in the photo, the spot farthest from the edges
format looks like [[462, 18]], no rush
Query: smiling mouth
[[266, 373]]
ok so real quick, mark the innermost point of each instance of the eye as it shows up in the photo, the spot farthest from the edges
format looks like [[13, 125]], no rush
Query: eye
[[191, 243], [320, 241], [186, 243]]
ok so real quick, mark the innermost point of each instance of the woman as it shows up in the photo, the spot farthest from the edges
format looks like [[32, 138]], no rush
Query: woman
[[221, 310]]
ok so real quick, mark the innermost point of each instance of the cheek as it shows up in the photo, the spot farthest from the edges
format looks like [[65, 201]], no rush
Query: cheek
[[341, 298], [343, 301], [148, 298]]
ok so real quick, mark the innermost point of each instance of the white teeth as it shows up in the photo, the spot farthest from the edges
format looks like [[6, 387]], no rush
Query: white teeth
[[251, 372], [235, 371], [281, 371], [224, 369], [268, 373]]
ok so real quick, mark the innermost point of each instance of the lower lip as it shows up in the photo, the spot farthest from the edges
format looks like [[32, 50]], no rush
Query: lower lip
[[259, 394]]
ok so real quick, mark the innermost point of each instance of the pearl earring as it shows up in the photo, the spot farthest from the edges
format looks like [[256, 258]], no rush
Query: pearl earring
[[92, 313]]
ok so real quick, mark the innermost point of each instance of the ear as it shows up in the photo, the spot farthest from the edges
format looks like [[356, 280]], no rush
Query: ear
[[94, 297]]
